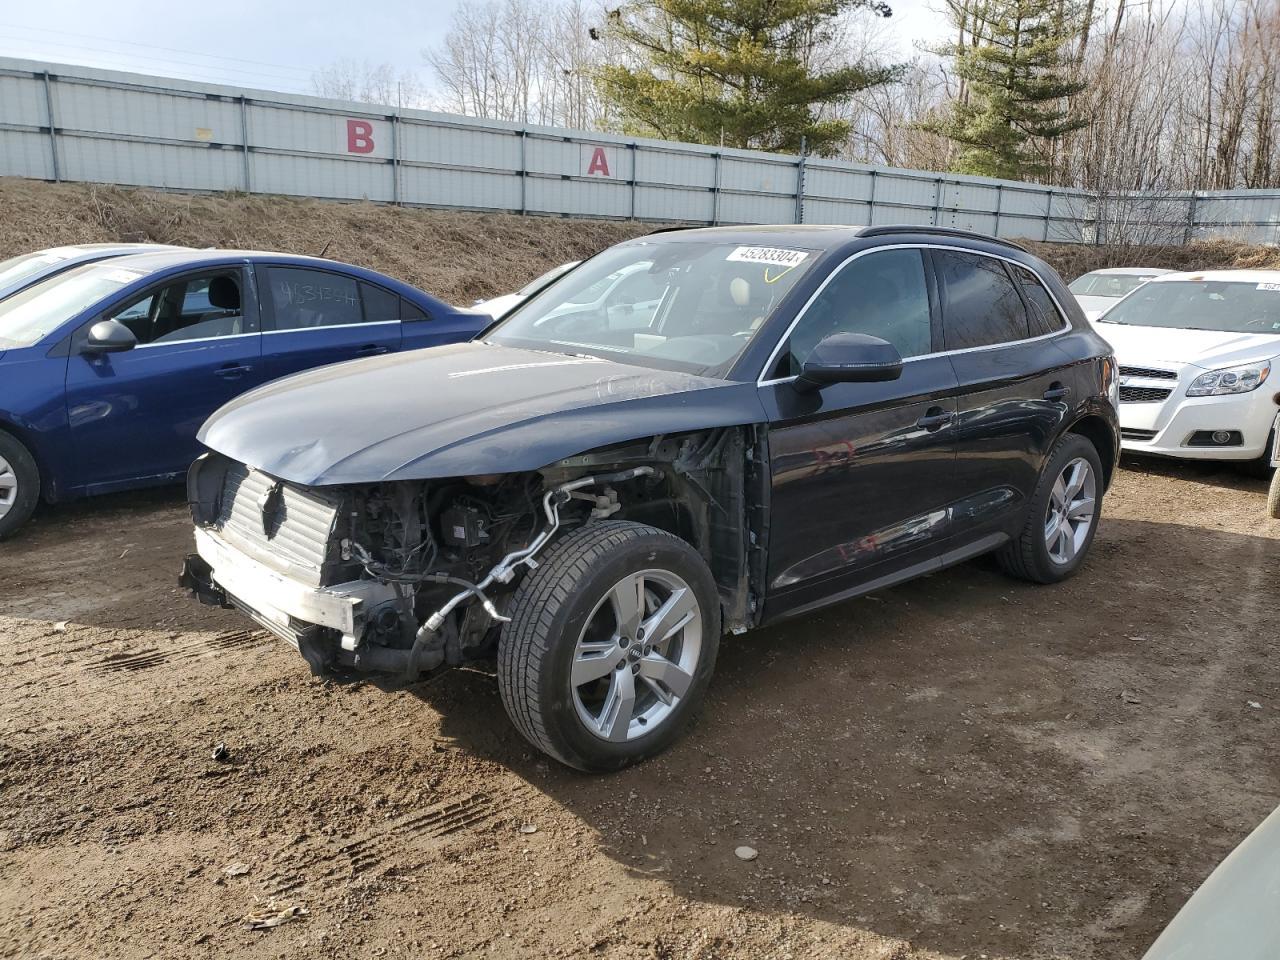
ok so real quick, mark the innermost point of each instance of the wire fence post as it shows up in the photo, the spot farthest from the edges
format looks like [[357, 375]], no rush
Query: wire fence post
[[244, 142], [395, 157], [1048, 213], [715, 192], [800, 164], [53, 127], [999, 198], [524, 171], [937, 202], [1190, 230], [634, 150], [871, 201]]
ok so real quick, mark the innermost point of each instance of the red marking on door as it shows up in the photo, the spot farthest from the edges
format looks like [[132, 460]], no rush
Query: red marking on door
[[599, 163], [359, 136]]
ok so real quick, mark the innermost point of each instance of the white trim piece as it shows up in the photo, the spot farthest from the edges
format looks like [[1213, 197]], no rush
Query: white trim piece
[[334, 326], [777, 350], [179, 343]]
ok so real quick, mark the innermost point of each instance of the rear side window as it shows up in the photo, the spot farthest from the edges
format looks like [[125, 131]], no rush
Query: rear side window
[[303, 299], [883, 294], [1042, 313], [981, 306], [379, 305], [411, 311]]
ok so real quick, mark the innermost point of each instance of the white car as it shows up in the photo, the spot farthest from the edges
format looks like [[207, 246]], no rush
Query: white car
[[500, 306], [1197, 354], [1100, 290]]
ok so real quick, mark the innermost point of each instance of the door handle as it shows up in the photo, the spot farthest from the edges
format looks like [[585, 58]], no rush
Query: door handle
[[233, 371], [1057, 392], [372, 350], [935, 418]]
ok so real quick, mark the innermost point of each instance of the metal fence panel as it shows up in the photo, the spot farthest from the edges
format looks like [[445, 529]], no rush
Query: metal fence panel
[[79, 123]]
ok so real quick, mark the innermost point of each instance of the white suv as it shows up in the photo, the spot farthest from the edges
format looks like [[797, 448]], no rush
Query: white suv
[[1197, 354]]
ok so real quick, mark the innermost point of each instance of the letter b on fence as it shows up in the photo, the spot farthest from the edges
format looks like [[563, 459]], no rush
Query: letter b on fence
[[359, 136]]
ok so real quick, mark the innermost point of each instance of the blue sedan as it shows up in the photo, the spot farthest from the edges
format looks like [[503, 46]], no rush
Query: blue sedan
[[108, 369]]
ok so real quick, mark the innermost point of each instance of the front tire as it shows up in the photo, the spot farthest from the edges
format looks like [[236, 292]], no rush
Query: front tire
[[19, 484], [1062, 517], [1273, 497], [611, 644]]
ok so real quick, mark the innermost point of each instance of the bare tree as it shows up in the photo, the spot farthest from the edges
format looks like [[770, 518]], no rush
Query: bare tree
[[369, 83]]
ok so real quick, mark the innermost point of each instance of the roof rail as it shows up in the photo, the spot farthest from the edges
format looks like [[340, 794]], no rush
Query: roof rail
[[938, 231]]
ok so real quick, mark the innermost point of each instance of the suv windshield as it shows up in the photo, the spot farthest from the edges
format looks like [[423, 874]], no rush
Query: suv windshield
[[34, 313], [1107, 284], [1228, 306], [684, 304]]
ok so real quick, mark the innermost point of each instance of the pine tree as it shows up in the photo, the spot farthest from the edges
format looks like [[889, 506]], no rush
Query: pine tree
[[1016, 74], [754, 74]]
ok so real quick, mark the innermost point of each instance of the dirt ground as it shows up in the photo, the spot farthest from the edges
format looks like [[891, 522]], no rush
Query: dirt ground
[[964, 766]]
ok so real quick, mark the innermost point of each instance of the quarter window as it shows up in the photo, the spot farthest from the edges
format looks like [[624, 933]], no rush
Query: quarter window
[[883, 294], [1042, 313], [981, 306], [303, 299], [379, 305]]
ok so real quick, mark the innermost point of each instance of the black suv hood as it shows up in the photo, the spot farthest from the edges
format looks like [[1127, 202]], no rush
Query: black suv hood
[[461, 410]]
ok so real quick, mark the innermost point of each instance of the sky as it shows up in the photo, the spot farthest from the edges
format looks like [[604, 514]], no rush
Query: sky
[[271, 44]]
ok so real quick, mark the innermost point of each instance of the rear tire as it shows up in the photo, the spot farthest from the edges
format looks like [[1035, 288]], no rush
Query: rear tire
[[611, 644], [19, 484], [1054, 541]]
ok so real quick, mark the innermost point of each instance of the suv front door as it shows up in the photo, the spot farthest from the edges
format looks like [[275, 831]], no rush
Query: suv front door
[[134, 415], [862, 473], [1015, 386]]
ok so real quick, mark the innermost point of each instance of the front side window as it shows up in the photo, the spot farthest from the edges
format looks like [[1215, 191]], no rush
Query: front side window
[[981, 306], [302, 299], [194, 308], [883, 294], [1228, 306], [686, 304]]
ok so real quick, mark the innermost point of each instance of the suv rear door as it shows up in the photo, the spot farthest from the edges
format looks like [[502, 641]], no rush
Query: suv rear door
[[862, 473], [1015, 385]]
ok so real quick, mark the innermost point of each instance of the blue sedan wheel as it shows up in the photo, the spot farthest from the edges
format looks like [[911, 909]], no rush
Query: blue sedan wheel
[[19, 484]]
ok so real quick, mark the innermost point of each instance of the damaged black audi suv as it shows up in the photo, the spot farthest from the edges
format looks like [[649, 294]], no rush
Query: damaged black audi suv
[[692, 434]]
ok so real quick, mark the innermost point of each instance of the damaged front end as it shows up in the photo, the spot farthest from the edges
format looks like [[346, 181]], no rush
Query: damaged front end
[[403, 577]]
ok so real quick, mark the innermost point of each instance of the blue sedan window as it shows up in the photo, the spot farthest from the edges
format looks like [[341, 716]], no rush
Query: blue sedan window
[[302, 298]]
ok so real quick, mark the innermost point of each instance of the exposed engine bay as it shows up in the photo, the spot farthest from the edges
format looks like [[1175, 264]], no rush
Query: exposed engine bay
[[407, 576]]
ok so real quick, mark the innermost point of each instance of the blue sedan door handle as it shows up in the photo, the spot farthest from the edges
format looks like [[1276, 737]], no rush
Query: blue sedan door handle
[[233, 371], [372, 350]]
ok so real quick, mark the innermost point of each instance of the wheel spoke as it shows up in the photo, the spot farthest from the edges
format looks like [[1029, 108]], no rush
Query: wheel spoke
[[615, 717], [593, 660], [627, 599], [658, 669], [1051, 530], [1059, 492], [1082, 509], [671, 616], [1078, 474], [1066, 546]]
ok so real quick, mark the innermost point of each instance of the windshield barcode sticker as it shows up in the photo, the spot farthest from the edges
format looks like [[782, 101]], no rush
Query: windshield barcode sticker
[[770, 256], [1272, 287]]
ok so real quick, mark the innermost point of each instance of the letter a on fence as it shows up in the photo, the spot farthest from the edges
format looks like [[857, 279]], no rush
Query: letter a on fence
[[599, 163]]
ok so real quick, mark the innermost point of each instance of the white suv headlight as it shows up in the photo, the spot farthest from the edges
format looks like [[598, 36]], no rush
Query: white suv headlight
[[1242, 379]]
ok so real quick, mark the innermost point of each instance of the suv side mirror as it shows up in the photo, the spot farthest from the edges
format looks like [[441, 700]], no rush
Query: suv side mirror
[[849, 358], [109, 336]]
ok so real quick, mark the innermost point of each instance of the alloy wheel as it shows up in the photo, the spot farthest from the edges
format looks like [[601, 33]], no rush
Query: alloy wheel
[[8, 487], [1072, 505], [637, 655]]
